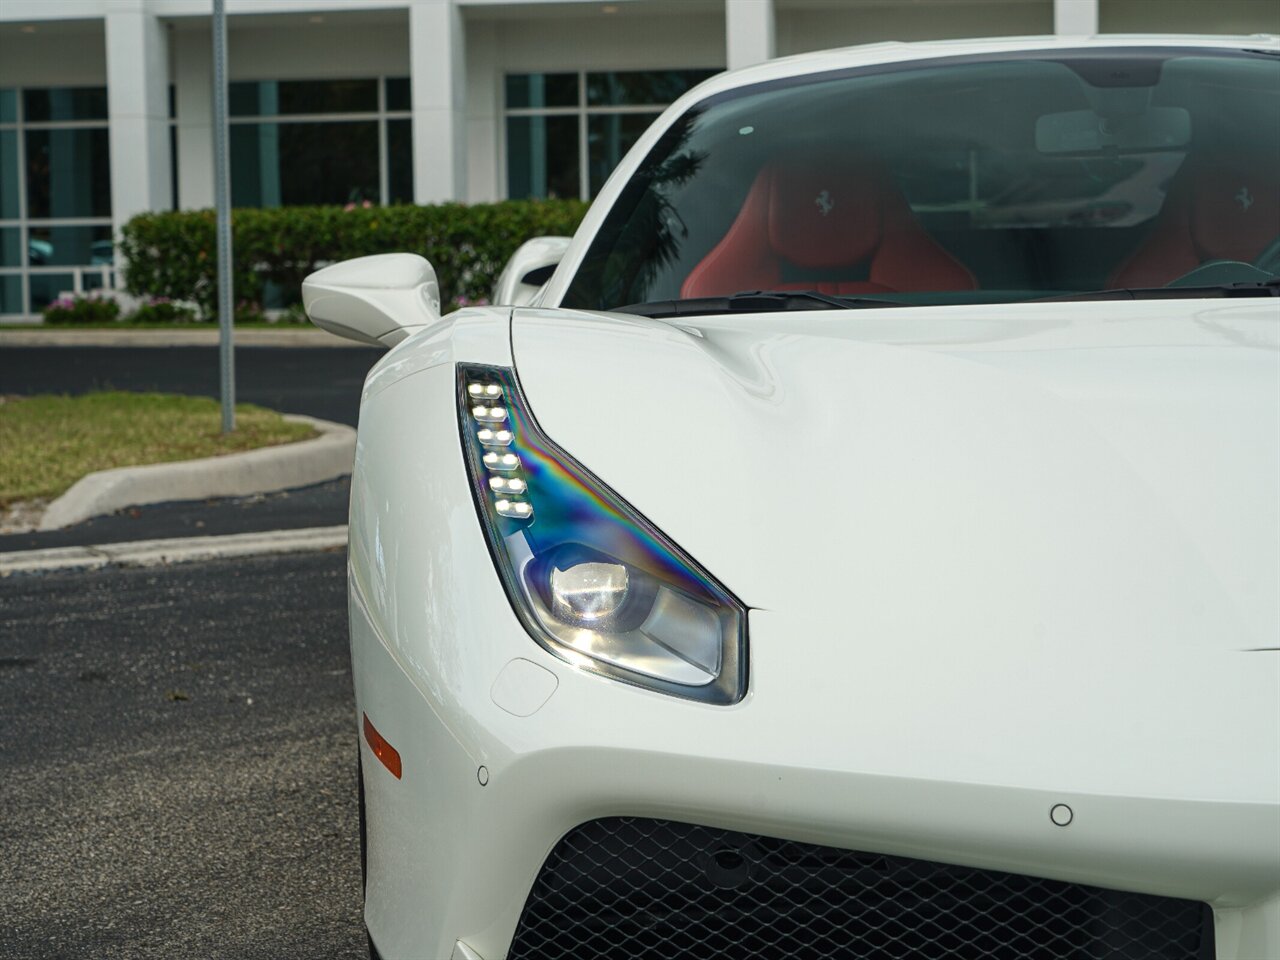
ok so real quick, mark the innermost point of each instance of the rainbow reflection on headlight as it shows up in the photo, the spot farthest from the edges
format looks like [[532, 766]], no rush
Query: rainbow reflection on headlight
[[676, 630]]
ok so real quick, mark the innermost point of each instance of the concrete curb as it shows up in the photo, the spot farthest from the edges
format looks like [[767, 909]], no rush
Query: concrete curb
[[264, 470], [151, 553]]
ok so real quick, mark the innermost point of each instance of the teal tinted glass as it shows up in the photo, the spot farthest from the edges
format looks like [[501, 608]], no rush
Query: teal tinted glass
[[69, 246], [525, 90], [641, 87], [287, 164], [8, 106], [68, 173], [10, 293], [8, 175], [609, 137], [398, 97], [542, 157], [400, 161], [45, 288], [269, 98], [56, 104], [10, 247]]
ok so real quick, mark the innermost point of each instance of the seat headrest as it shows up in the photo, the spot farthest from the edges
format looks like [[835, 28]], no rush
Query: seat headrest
[[1235, 210], [825, 211]]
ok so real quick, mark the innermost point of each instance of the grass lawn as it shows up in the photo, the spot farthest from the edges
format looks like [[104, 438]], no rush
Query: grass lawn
[[47, 443]]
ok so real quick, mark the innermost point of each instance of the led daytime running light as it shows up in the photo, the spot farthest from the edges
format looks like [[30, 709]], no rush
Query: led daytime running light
[[591, 579]]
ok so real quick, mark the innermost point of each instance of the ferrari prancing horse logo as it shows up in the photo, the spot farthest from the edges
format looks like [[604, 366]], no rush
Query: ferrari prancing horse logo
[[1245, 199], [826, 203]]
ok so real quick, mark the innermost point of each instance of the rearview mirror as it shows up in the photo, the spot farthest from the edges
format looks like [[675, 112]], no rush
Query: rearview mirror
[[380, 299], [528, 269], [1085, 131]]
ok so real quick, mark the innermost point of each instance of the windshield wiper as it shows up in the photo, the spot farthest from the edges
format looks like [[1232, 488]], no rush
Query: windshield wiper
[[753, 301], [1250, 288]]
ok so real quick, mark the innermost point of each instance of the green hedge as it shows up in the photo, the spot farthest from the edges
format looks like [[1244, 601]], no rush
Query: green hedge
[[173, 254]]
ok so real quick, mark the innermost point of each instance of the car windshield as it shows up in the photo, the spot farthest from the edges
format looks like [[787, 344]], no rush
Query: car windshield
[[969, 180]]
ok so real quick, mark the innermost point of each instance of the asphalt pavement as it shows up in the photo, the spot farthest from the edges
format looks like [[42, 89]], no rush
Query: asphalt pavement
[[320, 382], [177, 771]]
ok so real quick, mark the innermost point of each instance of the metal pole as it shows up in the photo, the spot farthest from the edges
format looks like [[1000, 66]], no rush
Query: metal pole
[[222, 201]]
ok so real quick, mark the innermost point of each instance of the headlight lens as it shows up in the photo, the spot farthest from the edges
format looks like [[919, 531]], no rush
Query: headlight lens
[[593, 581]]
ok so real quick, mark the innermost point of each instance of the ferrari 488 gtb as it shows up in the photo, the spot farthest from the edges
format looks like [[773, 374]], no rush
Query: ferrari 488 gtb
[[862, 539]]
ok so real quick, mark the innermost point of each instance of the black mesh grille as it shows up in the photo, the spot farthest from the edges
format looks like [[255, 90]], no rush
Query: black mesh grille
[[630, 888]]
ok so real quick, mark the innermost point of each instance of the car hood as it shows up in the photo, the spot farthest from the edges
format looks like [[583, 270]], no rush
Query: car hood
[[1064, 498]]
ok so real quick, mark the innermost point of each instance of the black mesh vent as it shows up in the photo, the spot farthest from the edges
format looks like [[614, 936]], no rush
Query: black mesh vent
[[628, 888]]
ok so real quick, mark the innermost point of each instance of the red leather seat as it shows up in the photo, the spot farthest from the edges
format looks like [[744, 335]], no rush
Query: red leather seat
[[1218, 208], [837, 219]]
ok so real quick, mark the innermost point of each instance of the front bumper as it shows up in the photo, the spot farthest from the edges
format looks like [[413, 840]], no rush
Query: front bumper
[[454, 860], [639, 889], [496, 772]]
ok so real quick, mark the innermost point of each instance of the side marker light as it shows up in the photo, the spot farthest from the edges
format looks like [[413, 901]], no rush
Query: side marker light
[[388, 754]]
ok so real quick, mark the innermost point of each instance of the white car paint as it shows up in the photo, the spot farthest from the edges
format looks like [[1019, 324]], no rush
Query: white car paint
[[512, 288], [998, 558]]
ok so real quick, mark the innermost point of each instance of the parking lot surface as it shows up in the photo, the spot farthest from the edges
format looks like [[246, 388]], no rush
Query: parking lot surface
[[177, 775]]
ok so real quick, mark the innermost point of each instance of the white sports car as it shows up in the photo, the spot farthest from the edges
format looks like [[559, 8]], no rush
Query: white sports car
[[866, 543]]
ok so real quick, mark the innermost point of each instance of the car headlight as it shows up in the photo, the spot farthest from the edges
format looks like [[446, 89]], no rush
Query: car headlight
[[593, 581]]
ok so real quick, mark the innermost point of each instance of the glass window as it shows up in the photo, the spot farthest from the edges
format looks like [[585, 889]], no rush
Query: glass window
[[398, 93], [10, 247], [45, 288], [59, 104], [269, 98], [9, 175], [54, 166], [68, 173], [400, 161], [542, 156], [1014, 179], [609, 137], [69, 246], [546, 122], [526, 90], [10, 293], [641, 87], [285, 164]]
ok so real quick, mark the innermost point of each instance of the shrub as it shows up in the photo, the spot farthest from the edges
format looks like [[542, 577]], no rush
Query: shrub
[[293, 314], [161, 310], [172, 254], [81, 309], [247, 311]]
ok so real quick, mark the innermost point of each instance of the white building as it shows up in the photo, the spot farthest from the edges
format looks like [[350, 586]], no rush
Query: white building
[[105, 105]]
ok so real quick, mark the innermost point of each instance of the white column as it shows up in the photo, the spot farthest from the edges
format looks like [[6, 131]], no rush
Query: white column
[[485, 181], [1075, 18], [748, 32], [138, 110], [437, 70], [193, 79]]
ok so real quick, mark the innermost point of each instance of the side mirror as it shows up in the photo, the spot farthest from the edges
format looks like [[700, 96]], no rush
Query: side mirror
[[528, 269], [380, 299]]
